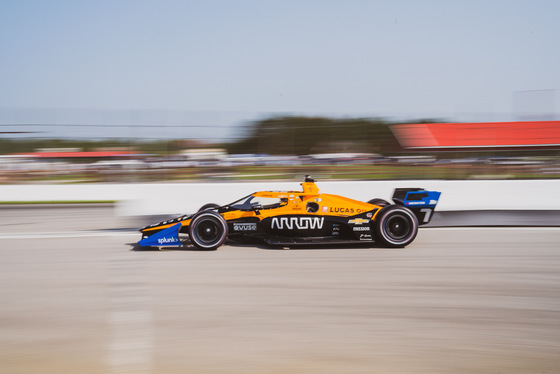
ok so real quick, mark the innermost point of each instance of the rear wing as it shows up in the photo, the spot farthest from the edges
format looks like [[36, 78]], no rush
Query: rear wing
[[421, 202]]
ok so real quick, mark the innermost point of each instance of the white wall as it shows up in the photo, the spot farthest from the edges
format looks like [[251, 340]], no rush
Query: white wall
[[171, 198]]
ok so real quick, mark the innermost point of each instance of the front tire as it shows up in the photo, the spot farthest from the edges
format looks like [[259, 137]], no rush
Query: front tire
[[396, 226], [209, 206], [208, 230]]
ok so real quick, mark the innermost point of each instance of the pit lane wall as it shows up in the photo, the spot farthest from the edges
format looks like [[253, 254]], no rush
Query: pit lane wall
[[149, 199]]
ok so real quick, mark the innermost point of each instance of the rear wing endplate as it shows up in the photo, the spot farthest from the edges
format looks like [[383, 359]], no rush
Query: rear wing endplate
[[421, 202]]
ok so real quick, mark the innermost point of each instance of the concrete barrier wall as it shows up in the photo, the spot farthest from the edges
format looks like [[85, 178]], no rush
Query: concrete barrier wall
[[172, 198]]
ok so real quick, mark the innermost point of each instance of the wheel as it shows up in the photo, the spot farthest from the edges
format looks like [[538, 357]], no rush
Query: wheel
[[396, 226], [208, 230], [379, 202], [208, 207]]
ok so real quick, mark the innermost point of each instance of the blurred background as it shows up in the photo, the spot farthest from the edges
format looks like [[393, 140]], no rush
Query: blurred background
[[99, 98], [138, 91], [285, 148]]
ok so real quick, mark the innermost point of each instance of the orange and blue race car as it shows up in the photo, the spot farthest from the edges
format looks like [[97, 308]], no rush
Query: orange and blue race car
[[307, 217]]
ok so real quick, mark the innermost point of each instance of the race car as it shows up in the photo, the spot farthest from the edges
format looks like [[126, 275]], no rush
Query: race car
[[307, 217]]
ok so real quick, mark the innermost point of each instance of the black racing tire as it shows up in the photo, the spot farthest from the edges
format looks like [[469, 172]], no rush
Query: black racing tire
[[208, 207], [395, 226], [208, 230], [379, 202]]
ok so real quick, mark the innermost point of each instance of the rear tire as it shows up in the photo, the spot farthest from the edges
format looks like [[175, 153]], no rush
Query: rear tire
[[379, 202], [208, 230], [395, 226]]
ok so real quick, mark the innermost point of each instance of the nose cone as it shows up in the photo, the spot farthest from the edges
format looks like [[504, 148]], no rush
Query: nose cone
[[167, 237]]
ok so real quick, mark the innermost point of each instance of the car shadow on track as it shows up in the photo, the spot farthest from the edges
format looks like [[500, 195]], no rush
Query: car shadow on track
[[187, 246], [317, 246], [321, 247]]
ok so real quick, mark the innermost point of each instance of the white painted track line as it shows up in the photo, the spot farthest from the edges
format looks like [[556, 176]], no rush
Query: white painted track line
[[71, 234]]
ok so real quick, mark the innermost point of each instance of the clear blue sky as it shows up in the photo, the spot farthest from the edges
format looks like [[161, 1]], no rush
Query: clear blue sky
[[207, 63]]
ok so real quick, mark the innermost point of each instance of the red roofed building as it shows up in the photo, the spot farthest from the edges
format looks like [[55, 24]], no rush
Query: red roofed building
[[479, 136]]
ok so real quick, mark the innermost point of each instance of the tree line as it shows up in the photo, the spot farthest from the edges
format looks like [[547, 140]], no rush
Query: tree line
[[292, 135]]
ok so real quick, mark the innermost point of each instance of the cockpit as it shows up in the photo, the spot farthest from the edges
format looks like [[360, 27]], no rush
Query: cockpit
[[257, 202]]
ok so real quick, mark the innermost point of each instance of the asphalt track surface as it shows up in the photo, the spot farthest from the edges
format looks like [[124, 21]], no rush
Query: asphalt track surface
[[76, 298]]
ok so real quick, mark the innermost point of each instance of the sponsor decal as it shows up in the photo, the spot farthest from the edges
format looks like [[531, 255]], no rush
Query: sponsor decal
[[361, 228], [345, 210], [335, 229], [365, 237], [244, 227], [300, 223], [358, 221], [325, 209], [165, 240], [369, 215], [415, 203], [433, 202]]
